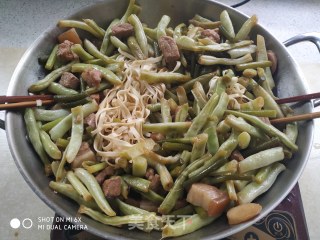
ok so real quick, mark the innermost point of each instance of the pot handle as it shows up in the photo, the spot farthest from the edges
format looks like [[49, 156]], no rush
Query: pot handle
[[313, 37]]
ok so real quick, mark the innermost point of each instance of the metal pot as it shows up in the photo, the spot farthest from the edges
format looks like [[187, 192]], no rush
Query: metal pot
[[289, 82]]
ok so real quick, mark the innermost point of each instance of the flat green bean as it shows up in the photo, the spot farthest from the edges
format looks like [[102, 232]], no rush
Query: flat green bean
[[51, 149], [57, 88], [52, 58], [80, 25], [139, 33], [78, 186], [49, 115], [83, 54]]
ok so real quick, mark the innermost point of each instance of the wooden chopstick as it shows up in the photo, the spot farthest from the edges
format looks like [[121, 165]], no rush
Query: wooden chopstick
[[24, 104], [300, 98], [17, 99], [295, 118]]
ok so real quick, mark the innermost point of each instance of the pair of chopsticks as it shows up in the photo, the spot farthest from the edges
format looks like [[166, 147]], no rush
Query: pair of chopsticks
[[12, 102]]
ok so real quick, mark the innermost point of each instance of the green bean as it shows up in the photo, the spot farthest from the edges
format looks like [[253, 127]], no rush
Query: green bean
[[268, 129], [165, 177], [239, 52], [239, 62], [165, 111], [187, 210], [139, 166], [129, 11], [127, 209], [177, 190], [78, 24], [57, 88], [273, 142], [98, 62], [173, 105], [91, 23], [253, 190], [119, 44], [219, 110], [163, 77], [223, 152], [182, 95], [185, 140], [169, 146], [230, 167], [124, 189], [185, 226], [228, 177], [200, 120], [165, 128], [83, 54], [291, 131], [51, 149], [203, 79], [48, 126], [93, 167], [261, 113], [162, 25], [209, 25], [95, 52], [262, 174], [246, 28], [75, 103], [255, 104], [135, 48], [61, 171], [62, 143], [34, 137], [227, 25], [199, 146], [151, 33], [139, 33], [51, 77], [243, 126], [152, 196], [52, 58], [262, 56], [245, 65], [261, 159], [223, 127], [78, 186], [137, 183], [231, 190], [160, 159], [65, 124], [187, 43], [95, 190], [49, 115], [105, 47], [213, 142], [244, 140], [178, 30], [76, 133], [168, 94], [79, 96], [106, 73], [155, 107], [182, 113], [69, 191]]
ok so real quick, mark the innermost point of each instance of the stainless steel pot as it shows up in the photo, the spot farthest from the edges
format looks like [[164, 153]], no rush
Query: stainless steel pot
[[289, 82]]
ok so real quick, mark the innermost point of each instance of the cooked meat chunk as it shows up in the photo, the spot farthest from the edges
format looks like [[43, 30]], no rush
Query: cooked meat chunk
[[64, 51], [85, 154], [149, 173], [112, 187], [69, 80], [155, 183], [212, 34], [102, 175], [210, 198], [91, 120], [122, 30], [236, 155], [169, 50], [92, 77]]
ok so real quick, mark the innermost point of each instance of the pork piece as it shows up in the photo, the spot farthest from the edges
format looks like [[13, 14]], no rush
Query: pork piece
[[92, 77], [69, 80], [210, 198], [122, 30], [85, 154], [272, 58], [102, 175], [169, 50], [90, 120], [64, 51], [154, 178], [212, 34], [112, 187], [236, 155]]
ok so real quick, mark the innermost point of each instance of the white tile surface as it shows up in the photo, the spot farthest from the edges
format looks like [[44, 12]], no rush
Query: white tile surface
[[22, 21]]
